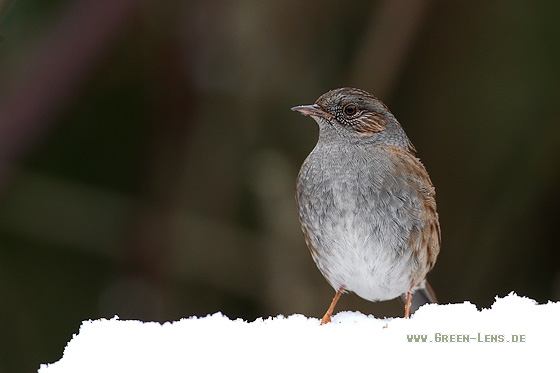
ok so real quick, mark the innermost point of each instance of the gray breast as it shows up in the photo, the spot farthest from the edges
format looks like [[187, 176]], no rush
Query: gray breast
[[357, 217]]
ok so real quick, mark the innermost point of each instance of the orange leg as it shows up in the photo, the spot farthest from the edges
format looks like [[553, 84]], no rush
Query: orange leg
[[327, 318], [407, 305]]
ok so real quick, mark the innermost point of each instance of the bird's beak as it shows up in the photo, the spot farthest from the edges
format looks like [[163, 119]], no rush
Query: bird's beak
[[313, 111]]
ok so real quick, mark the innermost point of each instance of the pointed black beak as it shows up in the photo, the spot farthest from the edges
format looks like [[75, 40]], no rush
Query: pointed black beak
[[312, 111]]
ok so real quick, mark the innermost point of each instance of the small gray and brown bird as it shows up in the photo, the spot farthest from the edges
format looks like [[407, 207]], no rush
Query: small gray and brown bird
[[366, 204]]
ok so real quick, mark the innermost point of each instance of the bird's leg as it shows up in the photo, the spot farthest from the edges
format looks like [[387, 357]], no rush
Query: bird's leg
[[407, 305], [327, 318]]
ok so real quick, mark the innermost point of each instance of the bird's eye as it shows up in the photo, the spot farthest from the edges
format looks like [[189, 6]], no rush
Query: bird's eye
[[350, 110]]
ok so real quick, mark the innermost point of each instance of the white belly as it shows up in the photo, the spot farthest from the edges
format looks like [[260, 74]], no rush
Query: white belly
[[363, 264]]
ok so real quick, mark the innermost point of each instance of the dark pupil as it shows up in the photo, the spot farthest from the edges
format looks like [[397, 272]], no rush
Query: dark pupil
[[350, 110]]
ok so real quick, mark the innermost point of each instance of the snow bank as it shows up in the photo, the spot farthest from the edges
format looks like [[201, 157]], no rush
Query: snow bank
[[515, 333]]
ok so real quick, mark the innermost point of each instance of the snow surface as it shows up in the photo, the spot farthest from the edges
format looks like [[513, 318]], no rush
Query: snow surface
[[515, 333]]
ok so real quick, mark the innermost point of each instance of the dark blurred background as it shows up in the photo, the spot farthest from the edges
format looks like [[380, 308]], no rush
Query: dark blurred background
[[148, 153]]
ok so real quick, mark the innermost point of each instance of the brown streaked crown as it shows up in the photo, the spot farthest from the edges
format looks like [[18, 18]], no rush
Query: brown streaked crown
[[355, 109]]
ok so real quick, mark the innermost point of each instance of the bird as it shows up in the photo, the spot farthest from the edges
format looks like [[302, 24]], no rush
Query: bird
[[366, 203]]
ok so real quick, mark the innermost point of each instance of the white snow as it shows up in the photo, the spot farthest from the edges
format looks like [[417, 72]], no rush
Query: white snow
[[515, 333]]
